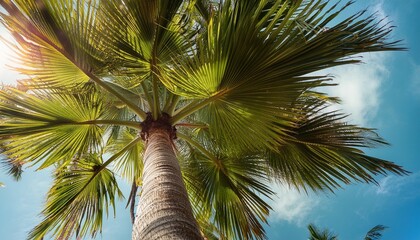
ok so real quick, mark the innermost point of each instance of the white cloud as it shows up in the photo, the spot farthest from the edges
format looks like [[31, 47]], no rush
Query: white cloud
[[359, 87], [360, 84], [379, 11], [395, 185], [384, 186], [291, 205]]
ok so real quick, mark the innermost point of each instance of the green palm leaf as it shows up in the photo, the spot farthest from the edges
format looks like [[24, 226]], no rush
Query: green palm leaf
[[13, 167], [375, 233], [230, 187], [46, 41], [129, 164], [316, 234], [151, 32], [324, 151], [50, 129], [80, 196], [248, 73], [69, 53]]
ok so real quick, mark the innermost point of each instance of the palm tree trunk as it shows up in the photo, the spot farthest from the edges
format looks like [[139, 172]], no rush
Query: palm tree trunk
[[164, 210]]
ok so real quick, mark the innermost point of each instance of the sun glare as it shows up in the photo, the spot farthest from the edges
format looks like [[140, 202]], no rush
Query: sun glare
[[7, 75]]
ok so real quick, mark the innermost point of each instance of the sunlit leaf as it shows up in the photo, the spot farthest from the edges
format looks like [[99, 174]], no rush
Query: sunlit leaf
[[51, 128]]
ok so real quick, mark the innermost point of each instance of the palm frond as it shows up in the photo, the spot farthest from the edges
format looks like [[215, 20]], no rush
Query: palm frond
[[60, 44], [375, 233], [230, 187], [254, 61], [46, 42], [79, 198], [145, 36], [324, 152], [49, 128], [142, 32], [13, 167], [316, 234], [208, 229], [127, 149], [129, 164]]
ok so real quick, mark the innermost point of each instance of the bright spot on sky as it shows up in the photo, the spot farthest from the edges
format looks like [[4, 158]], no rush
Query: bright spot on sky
[[7, 76]]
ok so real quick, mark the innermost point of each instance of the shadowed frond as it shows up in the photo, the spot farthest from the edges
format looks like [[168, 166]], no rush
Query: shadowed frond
[[324, 152], [129, 164], [13, 167], [230, 187], [208, 229], [78, 200], [316, 234], [375, 233]]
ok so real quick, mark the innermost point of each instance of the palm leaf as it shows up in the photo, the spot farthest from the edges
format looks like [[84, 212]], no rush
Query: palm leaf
[[324, 151], [45, 41], [130, 163], [59, 46], [228, 186], [248, 73], [13, 167], [150, 31], [146, 35], [316, 234], [208, 229], [49, 128], [375, 233], [80, 196]]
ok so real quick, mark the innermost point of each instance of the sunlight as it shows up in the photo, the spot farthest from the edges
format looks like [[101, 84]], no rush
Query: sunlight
[[7, 75]]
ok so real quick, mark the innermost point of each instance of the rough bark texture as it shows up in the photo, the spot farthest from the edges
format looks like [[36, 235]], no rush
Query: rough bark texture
[[164, 210]]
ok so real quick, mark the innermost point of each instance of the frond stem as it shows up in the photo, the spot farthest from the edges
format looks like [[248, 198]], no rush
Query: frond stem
[[147, 95], [156, 107], [115, 156], [191, 125], [168, 101], [172, 106], [192, 108], [106, 163], [142, 114], [130, 124]]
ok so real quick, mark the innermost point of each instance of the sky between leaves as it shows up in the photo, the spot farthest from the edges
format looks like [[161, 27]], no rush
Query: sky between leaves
[[383, 92]]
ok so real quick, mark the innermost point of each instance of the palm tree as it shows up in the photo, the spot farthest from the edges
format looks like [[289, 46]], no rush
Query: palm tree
[[374, 233], [316, 234], [199, 104]]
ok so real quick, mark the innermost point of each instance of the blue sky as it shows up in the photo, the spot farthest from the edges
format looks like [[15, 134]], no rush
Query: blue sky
[[383, 93]]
